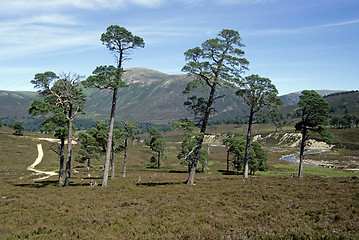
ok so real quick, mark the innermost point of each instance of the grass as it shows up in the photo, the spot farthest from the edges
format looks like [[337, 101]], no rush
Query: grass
[[292, 169], [155, 204]]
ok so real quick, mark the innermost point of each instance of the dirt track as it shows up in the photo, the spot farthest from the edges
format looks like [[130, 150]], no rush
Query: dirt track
[[37, 162]]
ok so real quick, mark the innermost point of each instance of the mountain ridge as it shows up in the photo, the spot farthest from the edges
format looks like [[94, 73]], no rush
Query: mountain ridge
[[151, 96]]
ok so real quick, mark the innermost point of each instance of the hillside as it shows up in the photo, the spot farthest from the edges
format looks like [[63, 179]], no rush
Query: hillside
[[15, 104], [293, 98], [157, 97], [346, 102], [339, 102], [152, 96]]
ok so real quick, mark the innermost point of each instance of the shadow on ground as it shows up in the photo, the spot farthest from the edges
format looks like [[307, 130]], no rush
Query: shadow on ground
[[43, 184], [154, 184], [225, 172]]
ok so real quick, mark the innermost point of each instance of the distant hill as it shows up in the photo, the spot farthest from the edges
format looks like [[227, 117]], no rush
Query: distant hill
[[157, 97], [344, 102], [340, 103], [152, 96], [15, 104], [293, 98]]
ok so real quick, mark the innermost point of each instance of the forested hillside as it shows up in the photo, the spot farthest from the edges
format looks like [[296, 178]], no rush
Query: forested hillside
[[344, 102]]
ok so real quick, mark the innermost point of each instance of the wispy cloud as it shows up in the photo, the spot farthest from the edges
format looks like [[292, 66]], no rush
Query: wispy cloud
[[45, 19], [16, 6], [43, 33], [40, 5], [355, 21], [283, 31]]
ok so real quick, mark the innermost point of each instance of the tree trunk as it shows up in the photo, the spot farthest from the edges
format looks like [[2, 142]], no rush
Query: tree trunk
[[248, 144], [69, 147], [227, 160], [113, 164], [192, 172], [125, 160], [206, 160], [109, 140], [159, 160], [62, 159], [302, 145], [88, 164]]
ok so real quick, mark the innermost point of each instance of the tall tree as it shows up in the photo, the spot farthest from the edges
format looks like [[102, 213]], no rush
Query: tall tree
[[219, 61], [64, 92], [120, 42], [55, 122], [260, 95], [315, 113]]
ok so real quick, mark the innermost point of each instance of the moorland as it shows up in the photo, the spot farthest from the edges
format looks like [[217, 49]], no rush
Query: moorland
[[156, 204]]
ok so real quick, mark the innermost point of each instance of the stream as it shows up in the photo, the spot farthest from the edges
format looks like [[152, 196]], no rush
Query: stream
[[292, 158]]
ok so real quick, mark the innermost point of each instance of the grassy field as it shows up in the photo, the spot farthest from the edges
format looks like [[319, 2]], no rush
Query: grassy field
[[155, 204]]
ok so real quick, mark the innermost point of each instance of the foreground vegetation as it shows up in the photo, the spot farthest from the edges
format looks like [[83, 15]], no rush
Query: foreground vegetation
[[155, 203]]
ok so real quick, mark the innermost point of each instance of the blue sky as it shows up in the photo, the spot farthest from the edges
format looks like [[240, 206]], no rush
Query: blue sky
[[298, 44]]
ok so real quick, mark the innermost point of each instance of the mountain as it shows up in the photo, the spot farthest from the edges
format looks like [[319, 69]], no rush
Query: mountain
[[344, 102], [152, 96], [15, 104], [157, 97], [293, 98]]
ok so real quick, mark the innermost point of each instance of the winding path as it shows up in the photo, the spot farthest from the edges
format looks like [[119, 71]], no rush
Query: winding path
[[37, 162]]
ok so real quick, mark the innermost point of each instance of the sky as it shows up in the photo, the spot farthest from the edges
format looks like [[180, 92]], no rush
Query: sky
[[298, 44]]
